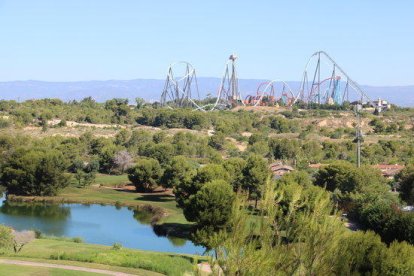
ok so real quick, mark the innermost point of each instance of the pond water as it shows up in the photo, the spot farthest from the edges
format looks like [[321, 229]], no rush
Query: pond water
[[94, 223]]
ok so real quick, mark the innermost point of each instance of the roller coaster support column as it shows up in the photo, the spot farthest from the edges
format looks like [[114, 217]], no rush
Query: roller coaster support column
[[234, 83]]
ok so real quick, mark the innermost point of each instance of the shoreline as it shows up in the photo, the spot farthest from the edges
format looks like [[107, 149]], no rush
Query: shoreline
[[157, 212], [166, 229]]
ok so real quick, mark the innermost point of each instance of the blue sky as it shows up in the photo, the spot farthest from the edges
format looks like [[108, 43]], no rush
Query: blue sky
[[107, 39]]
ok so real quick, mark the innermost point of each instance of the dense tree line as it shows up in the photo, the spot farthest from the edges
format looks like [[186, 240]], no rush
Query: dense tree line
[[298, 232], [305, 151], [364, 194], [43, 166]]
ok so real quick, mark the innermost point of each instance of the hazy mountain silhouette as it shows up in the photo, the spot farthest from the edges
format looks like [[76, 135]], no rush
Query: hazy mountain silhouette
[[150, 89]]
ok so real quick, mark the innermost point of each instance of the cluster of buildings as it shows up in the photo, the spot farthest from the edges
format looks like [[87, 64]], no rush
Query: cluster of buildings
[[380, 105]]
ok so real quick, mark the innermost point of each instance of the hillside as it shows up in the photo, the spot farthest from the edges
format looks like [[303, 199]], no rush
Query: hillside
[[150, 89]]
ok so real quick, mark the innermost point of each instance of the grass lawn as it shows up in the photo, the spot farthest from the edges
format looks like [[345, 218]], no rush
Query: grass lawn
[[112, 180], [123, 260], [18, 270]]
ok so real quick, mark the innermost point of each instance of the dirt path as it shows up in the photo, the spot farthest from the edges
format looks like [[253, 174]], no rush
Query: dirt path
[[67, 267]]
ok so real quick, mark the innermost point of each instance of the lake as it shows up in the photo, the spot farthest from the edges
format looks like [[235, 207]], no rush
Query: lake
[[94, 223]]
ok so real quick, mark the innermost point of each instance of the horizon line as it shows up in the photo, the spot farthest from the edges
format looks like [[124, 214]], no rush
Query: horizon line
[[202, 77]]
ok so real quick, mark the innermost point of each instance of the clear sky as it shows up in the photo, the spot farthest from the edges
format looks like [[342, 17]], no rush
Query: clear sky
[[67, 40]]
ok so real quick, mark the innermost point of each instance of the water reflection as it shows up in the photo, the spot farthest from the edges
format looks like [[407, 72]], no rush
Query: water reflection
[[179, 242], [95, 223], [40, 210], [50, 219], [142, 217]]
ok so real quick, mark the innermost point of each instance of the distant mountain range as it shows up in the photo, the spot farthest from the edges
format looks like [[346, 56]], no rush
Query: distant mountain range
[[150, 89]]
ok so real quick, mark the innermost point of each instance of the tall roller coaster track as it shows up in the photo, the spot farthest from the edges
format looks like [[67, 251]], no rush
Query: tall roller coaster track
[[179, 88], [228, 94], [329, 84]]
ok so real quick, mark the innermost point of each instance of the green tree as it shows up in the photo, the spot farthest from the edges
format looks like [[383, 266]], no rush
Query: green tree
[[163, 152], [361, 253], [107, 158], [256, 137], [119, 107], [299, 177], [347, 178], [398, 259], [140, 102], [406, 184], [211, 206], [34, 172], [281, 125], [255, 174], [179, 170], [145, 175], [260, 148], [184, 190], [284, 148], [234, 167], [295, 242], [85, 172], [122, 137], [382, 216]]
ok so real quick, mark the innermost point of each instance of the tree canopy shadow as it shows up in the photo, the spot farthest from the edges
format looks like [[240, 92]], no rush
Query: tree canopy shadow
[[179, 230], [155, 198]]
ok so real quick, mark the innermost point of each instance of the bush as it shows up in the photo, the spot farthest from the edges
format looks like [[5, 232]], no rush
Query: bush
[[217, 141], [77, 240], [6, 237], [4, 123], [117, 246], [38, 234]]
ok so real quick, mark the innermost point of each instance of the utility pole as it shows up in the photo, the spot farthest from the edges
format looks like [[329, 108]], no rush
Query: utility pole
[[358, 134]]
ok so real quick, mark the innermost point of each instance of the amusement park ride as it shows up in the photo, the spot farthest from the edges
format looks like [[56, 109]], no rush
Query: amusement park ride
[[329, 84], [179, 91]]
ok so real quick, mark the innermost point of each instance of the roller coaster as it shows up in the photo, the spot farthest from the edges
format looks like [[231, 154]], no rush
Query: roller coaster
[[178, 91], [329, 84], [267, 94]]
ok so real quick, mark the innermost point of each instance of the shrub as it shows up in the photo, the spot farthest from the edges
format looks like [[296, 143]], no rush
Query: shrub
[[117, 246], [4, 123], [77, 240], [6, 237]]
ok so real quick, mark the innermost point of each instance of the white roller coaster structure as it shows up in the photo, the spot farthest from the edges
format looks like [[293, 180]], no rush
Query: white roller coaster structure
[[182, 91], [178, 91], [333, 92]]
